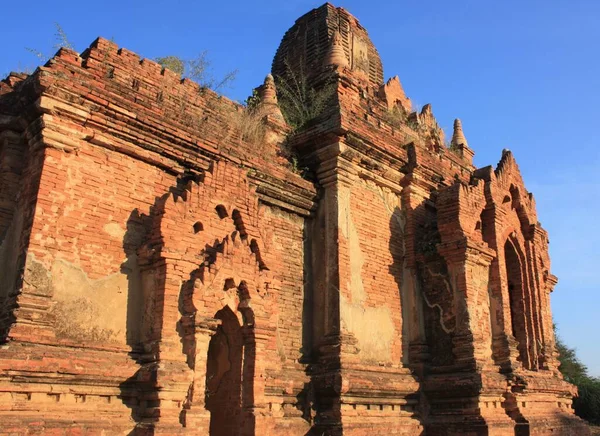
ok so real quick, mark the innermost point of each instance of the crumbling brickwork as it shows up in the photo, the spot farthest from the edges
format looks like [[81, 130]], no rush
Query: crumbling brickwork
[[166, 272]]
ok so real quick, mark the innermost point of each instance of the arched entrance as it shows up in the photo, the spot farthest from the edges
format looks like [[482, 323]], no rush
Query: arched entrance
[[224, 376], [517, 299]]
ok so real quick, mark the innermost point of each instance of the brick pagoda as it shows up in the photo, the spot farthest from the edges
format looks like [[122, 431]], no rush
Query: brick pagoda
[[165, 272]]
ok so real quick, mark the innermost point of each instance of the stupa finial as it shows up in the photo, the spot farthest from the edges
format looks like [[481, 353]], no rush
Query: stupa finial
[[458, 137], [336, 55]]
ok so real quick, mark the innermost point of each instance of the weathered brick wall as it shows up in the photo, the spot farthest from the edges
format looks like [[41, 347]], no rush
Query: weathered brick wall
[[286, 236], [64, 388], [164, 272], [212, 247], [120, 139], [12, 159], [372, 222], [86, 236], [304, 46]]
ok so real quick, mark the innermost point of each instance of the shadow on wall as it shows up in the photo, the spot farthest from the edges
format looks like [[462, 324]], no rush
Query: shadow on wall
[[319, 400], [11, 266], [223, 383], [397, 247], [305, 401], [139, 392], [17, 187], [132, 242], [396, 269], [185, 327], [224, 375]]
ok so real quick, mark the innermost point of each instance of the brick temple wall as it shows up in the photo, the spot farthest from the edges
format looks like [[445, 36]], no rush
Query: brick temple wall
[[102, 170], [165, 272], [372, 223]]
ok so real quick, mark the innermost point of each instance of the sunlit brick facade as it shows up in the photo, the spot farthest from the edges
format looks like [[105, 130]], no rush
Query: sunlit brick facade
[[162, 273]]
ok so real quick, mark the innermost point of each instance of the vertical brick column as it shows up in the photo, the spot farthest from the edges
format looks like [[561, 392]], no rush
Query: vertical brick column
[[534, 306], [195, 414], [468, 259], [27, 283], [414, 196], [173, 375], [550, 353], [545, 283], [329, 342], [468, 265], [257, 416], [504, 345], [356, 393]]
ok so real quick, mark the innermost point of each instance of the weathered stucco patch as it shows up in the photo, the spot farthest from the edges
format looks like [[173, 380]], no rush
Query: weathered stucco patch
[[114, 230], [279, 343], [89, 310], [357, 259], [373, 327]]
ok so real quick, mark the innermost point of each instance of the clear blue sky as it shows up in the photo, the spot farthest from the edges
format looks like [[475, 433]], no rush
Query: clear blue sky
[[523, 75]]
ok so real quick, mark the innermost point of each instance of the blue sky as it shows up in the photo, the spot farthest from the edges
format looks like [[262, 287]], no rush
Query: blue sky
[[520, 75]]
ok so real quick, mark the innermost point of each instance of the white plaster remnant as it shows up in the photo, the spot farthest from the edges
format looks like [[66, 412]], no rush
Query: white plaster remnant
[[114, 230], [372, 327]]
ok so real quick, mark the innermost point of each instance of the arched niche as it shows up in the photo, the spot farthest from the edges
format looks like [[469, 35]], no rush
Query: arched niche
[[515, 277], [230, 368], [223, 394]]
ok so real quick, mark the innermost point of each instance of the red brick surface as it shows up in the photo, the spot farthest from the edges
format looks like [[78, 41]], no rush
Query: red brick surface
[[162, 273]]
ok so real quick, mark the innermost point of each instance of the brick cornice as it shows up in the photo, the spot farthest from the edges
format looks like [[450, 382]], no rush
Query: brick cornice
[[466, 250]]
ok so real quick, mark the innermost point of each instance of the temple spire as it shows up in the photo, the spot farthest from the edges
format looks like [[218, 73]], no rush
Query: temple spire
[[268, 98], [268, 91], [458, 137], [336, 55]]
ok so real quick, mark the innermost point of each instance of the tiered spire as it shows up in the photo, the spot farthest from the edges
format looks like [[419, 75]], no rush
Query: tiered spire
[[269, 93], [336, 55], [459, 142], [458, 137], [268, 98]]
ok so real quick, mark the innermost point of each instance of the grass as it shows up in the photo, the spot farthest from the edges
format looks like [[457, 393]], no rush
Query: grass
[[198, 69], [300, 102]]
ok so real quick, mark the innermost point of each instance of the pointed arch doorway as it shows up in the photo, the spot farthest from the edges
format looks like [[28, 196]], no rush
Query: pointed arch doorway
[[230, 370], [224, 376]]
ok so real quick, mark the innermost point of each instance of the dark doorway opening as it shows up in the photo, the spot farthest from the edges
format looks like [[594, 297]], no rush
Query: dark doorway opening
[[224, 376], [516, 292]]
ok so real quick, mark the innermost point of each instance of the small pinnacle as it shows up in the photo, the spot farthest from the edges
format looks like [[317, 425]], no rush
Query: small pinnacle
[[269, 93], [505, 151], [336, 55], [268, 98], [458, 137]]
